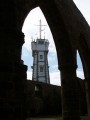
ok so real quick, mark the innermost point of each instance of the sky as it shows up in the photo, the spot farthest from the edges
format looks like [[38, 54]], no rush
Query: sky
[[31, 31]]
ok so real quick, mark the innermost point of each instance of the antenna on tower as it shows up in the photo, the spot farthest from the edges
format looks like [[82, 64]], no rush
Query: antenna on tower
[[40, 28], [32, 38], [44, 35]]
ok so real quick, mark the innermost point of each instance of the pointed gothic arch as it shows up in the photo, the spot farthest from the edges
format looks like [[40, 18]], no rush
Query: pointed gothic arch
[[66, 56], [33, 19]]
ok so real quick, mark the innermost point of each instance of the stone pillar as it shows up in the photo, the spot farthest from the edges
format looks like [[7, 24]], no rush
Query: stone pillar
[[87, 84], [87, 79], [69, 85], [12, 75], [12, 71], [85, 55]]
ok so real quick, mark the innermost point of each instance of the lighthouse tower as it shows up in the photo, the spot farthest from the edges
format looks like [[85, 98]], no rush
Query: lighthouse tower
[[40, 68]]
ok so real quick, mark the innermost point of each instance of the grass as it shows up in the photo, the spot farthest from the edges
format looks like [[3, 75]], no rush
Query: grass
[[85, 118], [56, 118], [81, 118]]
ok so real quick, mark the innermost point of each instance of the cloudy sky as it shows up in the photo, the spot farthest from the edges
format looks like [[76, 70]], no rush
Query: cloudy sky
[[31, 31]]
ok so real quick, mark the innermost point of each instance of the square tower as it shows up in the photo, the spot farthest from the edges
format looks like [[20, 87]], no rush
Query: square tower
[[40, 60]]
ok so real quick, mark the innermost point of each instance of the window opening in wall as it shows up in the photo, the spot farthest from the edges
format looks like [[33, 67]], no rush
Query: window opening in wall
[[38, 91], [31, 31], [41, 69], [80, 72], [41, 56], [40, 42]]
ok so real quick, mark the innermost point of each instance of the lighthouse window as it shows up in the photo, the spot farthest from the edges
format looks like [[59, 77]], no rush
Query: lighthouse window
[[40, 42], [41, 69], [41, 56]]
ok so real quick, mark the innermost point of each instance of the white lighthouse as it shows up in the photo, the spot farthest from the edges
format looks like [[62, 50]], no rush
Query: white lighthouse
[[40, 68]]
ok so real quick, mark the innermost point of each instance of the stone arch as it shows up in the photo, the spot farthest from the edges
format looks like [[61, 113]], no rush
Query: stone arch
[[56, 23], [66, 58]]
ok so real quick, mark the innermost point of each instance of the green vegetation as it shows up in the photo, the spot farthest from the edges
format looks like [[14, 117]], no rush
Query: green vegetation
[[56, 118], [81, 118], [85, 118]]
